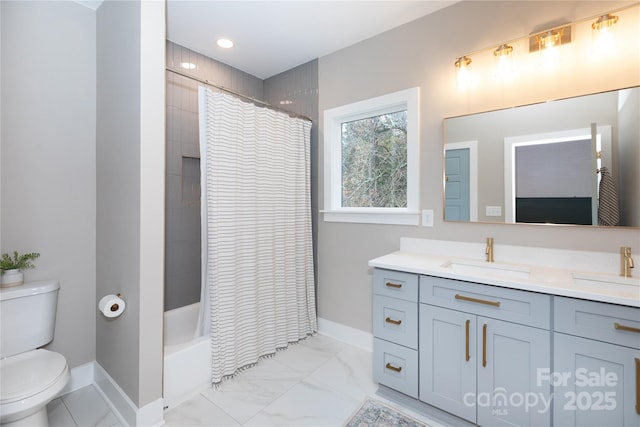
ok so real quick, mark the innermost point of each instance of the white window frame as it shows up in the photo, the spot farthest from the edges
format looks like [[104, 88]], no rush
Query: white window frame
[[408, 99]]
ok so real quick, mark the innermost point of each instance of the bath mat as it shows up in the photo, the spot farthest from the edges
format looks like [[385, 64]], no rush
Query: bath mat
[[376, 414]]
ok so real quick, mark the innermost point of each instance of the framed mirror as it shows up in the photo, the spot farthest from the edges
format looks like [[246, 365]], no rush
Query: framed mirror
[[569, 161]]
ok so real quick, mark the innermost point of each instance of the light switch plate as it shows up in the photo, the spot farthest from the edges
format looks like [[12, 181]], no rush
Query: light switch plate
[[493, 210], [427, 217]]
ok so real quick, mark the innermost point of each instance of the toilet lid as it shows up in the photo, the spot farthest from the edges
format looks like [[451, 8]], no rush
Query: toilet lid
[[27, 374]]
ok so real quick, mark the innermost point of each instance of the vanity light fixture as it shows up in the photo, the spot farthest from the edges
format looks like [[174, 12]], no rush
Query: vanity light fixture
[[462, 62], [463, 77], [225, 43], [605, 22], [550, 38], [503, 51], [603, 42], [504, 67]]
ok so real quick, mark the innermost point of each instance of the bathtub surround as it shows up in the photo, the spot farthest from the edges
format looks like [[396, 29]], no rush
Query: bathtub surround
[[257, 275], [187, 359]]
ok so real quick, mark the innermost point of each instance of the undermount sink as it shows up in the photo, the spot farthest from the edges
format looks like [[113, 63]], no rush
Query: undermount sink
[[607, 280], [487, 268]]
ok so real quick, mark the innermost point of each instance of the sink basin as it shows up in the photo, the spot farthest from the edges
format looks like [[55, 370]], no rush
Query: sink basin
[[607, 281], [487, 268]]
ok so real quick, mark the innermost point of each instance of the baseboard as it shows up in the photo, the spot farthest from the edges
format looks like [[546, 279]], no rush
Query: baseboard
[[346, 334], [125, 410], [79, 377]]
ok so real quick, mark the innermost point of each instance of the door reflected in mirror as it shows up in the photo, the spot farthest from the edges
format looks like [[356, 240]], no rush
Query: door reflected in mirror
[[570, 161]]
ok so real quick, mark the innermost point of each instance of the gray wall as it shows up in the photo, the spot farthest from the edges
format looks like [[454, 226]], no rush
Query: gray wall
[[422, 53], [48, 166], [129, 348]]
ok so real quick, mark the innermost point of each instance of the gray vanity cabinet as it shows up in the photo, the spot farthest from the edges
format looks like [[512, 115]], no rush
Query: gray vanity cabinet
[[479, 356], [596, 364]]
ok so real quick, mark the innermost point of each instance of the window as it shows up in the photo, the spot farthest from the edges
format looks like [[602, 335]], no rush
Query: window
[[371, 160]]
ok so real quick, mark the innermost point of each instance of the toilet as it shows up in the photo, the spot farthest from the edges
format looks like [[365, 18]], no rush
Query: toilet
[[30, 377]]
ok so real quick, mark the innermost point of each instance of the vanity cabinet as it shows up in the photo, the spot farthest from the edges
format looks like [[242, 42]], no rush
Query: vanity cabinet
[[479, 354], [596, 374], [395, 330], [498, 356]]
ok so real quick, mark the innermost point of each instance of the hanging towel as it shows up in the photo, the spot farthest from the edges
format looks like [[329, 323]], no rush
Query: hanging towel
[[608, 212]]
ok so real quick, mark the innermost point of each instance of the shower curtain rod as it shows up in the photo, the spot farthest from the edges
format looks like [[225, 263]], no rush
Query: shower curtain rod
[[239, 95]]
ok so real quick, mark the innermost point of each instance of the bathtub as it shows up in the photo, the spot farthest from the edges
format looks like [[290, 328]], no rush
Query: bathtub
[[186, 360]]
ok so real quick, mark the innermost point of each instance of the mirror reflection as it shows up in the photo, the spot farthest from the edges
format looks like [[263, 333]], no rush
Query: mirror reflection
[[569, 161]]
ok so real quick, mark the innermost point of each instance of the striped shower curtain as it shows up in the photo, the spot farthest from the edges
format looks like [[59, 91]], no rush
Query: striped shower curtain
[[257, 256]]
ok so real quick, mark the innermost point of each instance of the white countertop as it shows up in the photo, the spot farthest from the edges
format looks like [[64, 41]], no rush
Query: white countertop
[[421, 257]]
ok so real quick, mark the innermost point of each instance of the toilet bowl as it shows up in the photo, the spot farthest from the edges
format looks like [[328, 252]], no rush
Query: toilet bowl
[[30, 377], [29, 381]]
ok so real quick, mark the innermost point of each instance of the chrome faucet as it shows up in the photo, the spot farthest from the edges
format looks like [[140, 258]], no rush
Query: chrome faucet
[[489, 250], [626, 262]]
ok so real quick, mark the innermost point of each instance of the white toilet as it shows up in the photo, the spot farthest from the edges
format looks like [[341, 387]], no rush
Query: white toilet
[[30, 377]]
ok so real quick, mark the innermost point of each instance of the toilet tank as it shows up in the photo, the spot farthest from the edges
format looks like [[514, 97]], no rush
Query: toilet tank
[[27, 316]]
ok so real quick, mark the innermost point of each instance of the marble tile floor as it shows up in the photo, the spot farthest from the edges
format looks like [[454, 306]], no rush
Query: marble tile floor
[[318, 382]]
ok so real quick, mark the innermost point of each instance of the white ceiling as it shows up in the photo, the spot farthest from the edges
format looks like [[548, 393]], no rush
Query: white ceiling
[[274, 36]]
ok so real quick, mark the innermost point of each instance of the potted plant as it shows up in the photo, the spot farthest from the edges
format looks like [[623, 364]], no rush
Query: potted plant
[[12, 267]]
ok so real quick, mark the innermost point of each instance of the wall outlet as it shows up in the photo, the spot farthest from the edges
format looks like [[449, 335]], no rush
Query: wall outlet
[[493, 210], [427, 217]]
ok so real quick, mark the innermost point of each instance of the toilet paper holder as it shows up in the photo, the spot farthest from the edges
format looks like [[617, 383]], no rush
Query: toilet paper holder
[[112, 305], [115, 306]]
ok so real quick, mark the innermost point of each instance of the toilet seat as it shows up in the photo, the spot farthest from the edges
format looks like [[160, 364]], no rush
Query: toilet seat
[[27, 374]]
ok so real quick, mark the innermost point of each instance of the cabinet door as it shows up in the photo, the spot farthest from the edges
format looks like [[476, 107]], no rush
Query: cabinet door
[[510, 356], [448, 360], [596, 383]]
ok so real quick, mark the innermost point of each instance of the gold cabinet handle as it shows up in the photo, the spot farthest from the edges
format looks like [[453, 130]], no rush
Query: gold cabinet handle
[[637, 386], [394, 322], [484, 345], [479, 301], [393, 368], [620, 327], [393, 285], [466, 345]]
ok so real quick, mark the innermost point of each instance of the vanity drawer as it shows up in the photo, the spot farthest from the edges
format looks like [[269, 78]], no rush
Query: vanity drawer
[[512, 305], [396, 320], [395, 366], [598, 320], [395, 284]]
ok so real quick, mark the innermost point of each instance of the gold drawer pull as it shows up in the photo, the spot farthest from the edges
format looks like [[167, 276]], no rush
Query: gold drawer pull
[[466, 344], [620, 327], [393, 368], [637, 386], [484, 345], [479, 301], [393, 285], [390, 320]]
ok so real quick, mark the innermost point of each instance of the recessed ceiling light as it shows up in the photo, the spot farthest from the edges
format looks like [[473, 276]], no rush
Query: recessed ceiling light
[[225, 43], [188, 65]]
